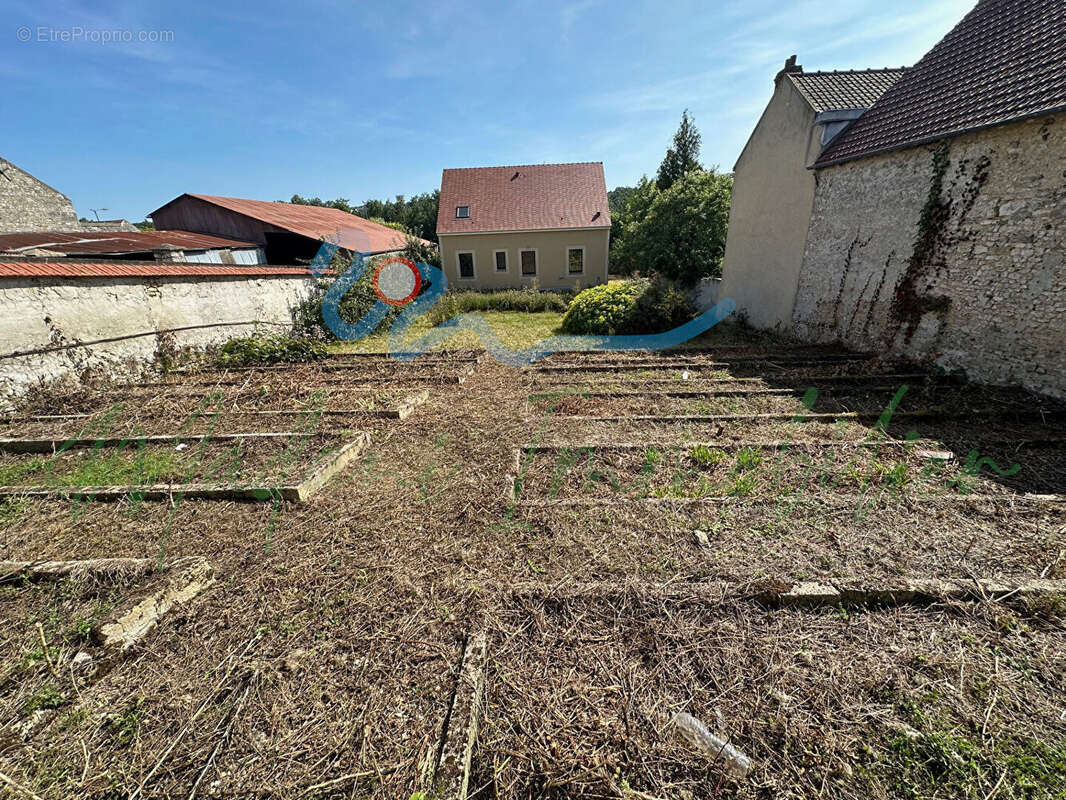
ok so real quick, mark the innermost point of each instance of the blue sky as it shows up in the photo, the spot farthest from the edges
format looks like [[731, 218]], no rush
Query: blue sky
[[367, 98]]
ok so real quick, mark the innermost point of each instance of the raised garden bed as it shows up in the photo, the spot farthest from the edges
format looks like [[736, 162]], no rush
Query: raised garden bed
[[252, 467]]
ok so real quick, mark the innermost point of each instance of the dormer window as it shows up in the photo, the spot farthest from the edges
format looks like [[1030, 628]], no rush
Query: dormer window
[[462, 212]]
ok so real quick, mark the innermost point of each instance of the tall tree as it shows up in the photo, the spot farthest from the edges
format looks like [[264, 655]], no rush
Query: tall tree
[[681, 233], [683, 157]]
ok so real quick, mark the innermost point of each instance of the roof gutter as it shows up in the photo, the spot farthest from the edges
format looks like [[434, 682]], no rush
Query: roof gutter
[[529, 230]]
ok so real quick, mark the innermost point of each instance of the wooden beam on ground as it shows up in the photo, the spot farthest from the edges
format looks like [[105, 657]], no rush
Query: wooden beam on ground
[[184, 580], [788, 593], [49, 446], [317, 477], [36, 571], [450, 774]]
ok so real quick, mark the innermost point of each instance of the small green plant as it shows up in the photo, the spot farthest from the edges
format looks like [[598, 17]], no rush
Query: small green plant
[[897, 476], [266, 349], [743, 485], [748, 458], [45, 698], [11, 509], [706, 456], [124, 726], [652, 459]]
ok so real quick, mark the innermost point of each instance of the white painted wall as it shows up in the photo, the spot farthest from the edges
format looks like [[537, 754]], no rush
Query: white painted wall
[[44, 313], [773, 192]]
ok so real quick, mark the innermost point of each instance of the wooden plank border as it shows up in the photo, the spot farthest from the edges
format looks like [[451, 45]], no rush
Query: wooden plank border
[[317, 476]]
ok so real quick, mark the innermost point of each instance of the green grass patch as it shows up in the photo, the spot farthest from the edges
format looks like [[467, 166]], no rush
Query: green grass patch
[[516, 329]]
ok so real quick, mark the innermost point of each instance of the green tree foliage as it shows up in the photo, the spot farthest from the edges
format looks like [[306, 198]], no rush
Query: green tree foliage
[[682, 234], [624, 260], [341, 203], [683, 157]]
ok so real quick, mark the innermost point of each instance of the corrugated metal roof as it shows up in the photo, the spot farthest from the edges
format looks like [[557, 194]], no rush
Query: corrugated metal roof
[[315, 222], [1005, 61], [45, 269], [524, 198], [846, 89], [116, 243]]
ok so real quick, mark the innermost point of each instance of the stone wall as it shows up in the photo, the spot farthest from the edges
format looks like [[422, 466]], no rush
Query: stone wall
[[27, 204], [116, 319], [951, 254]]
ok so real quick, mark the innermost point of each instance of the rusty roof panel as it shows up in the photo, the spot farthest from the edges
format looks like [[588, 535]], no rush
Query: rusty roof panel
[[114, 243]]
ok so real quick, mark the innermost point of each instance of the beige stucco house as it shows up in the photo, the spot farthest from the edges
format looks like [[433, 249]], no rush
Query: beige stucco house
[[773, 189], [545, 225]]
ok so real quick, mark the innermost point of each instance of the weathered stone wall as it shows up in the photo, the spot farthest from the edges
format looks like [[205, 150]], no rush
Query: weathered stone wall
[[50, 313], [951, 254], [27, 204]]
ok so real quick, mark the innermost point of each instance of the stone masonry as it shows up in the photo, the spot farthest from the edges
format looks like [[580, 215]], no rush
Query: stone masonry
[[951, 254], [27, 204], [65, 328]]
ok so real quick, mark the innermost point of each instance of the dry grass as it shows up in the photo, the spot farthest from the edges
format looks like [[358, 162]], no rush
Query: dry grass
[[322, 662]]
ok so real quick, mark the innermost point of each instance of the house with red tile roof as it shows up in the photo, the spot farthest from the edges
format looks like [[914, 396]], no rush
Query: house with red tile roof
[[545, 225], [938, 227], [773, 187], [288, 232]]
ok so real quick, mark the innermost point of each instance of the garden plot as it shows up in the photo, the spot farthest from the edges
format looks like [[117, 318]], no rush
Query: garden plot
[[218, 411], [718, 380], [289, 466], [708, 471], [815, 535], [688, 354], [583, 694], [361, 370], [925, 398], [70, 622]]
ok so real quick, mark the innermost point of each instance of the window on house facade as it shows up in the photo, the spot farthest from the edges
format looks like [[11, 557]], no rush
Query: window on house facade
[[575, 260], [466, 265], [462, 212], [501, 260], [528, 259]]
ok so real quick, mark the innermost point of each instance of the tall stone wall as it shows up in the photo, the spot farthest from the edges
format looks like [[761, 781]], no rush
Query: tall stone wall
[[68, 327], [27, 204], [952, 254]]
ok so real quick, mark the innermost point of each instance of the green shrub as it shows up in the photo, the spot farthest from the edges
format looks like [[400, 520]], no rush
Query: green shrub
[[268, 349], [630, 307], [527, 300], [361, 297]]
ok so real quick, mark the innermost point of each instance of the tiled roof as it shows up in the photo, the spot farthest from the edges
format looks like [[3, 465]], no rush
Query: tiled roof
[[836, 91], [98, 242], [1005, 61], [43, 269], [315, 222], [524, 198]]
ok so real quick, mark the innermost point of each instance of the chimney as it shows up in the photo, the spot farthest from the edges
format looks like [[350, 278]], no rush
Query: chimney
[[169, 254], [790, 66]]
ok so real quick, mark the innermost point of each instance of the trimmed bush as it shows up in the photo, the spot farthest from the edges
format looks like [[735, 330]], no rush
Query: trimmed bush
[[526, 300], [631, 307], [267, 349]]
